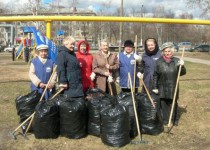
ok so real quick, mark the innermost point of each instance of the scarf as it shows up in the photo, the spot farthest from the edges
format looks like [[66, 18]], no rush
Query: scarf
[[168, 60]]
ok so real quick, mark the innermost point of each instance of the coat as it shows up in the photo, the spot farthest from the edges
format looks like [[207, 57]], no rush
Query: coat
[[69, 72], [98, 65], [85, 61], [165, 77], [148, 62]]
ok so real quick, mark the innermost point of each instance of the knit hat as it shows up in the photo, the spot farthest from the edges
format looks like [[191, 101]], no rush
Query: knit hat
[[41, 47], [128, 43], [166, 45]]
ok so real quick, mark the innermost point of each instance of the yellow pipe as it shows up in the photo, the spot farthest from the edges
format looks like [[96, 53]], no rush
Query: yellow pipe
[[103, 19], [48, 29]]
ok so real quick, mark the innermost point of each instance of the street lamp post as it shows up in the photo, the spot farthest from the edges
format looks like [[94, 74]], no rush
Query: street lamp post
[[121, 25], [141, 24]]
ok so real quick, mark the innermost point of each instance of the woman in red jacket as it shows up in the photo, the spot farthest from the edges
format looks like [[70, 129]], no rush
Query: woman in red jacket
[[85, 59]]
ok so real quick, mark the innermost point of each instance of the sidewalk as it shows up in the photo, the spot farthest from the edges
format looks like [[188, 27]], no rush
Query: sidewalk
[[195, 60]]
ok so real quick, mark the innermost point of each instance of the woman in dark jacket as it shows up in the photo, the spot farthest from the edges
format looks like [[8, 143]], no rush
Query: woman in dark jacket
[[68, 70], [149, 57], [165, 77]]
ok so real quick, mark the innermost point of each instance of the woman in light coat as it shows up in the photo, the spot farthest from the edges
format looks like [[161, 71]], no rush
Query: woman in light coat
[[105, 65]]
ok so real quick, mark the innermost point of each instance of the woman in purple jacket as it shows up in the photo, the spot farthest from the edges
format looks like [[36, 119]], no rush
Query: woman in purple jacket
[[149, 57]]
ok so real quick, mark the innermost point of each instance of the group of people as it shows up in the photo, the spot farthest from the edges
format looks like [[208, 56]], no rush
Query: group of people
[[77, 72]]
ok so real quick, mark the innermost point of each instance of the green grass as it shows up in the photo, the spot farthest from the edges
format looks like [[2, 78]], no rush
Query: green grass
[[192, 132]]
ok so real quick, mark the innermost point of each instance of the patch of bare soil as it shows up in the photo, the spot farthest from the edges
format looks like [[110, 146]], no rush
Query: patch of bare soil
[[12, 70]]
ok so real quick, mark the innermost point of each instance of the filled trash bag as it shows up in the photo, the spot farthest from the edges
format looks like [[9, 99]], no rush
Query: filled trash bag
[[125, 99], [25, 106], [46, 124], [150, 118], [72, 117], [115, 126], [97, 102]]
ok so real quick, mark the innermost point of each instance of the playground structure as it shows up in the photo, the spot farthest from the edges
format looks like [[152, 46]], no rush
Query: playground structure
[[27, 42]]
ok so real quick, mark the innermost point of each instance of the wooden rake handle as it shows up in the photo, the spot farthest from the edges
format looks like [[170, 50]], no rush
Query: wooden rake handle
[[175, 91], [150, 98], [134, 75], [134, 107]]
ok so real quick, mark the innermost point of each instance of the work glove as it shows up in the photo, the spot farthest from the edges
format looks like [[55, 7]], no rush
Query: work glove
[[155, 91], [117, 80], [137, 57], [181, 62], [110, 79], [64, 86], [92, 76], [140, 75]]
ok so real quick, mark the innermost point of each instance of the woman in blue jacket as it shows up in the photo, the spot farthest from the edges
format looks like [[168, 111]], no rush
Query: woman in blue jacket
[[41, 70]]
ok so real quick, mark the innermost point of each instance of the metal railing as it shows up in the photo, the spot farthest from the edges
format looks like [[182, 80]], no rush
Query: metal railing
[[50, 19]]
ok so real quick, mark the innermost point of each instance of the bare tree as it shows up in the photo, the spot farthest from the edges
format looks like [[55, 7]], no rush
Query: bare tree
[[204, 5], [159, 12]]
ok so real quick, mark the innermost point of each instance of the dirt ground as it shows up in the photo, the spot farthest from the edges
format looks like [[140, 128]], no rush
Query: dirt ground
[[192, 133]]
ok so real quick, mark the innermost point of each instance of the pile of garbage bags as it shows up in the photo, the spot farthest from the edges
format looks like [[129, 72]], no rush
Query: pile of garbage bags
[[111, 118]]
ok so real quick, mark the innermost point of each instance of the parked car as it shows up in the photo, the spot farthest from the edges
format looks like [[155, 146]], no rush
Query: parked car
[[176, 47], [9, 49], [201, 48], [186, 45]]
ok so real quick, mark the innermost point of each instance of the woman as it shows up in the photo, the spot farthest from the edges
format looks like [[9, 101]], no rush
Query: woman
[[69, 72], [41, 70], [149, 57], [165, 77], [127, 61], [85, 59], [105, 65]]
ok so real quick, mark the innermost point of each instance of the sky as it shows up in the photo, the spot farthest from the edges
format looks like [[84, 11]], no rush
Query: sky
[[176, 6]]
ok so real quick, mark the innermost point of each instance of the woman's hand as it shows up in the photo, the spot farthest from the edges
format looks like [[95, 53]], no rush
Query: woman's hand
[[42, 85]]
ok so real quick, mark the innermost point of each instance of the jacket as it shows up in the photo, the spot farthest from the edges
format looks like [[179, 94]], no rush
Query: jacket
[[148, 62], [165, 77], [99, 67], [68, 70], [85, 61]]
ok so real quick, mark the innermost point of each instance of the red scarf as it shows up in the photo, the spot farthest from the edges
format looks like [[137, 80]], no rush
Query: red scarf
[[168, 60]]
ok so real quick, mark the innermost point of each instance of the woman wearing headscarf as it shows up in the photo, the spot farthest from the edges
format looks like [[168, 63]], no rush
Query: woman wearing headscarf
[[165, 77], [149, 58]]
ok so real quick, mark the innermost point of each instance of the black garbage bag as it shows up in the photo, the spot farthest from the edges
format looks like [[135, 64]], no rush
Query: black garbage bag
[[25, 106], [97, 102], [125, 99], [46, 123], [115, 126], [72, 117], [150, 118]]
